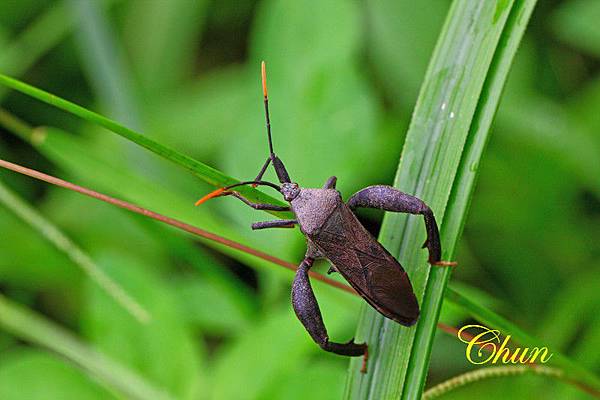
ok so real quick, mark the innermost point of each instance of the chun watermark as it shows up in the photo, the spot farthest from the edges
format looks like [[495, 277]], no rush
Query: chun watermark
[[484, 346]]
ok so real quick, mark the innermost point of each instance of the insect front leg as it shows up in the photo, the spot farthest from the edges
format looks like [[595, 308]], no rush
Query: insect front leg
[[391, 199], [258, 206], [308, 312], [263, 169]]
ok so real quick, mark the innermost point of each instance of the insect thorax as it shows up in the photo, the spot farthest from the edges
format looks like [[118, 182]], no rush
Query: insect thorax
[[313, 207]]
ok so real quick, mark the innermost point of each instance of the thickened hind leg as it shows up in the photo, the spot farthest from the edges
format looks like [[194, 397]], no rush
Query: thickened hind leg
[[308, 312], [390, 199]]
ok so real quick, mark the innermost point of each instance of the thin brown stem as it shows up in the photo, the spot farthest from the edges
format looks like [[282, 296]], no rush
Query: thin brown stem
[[167, 220]]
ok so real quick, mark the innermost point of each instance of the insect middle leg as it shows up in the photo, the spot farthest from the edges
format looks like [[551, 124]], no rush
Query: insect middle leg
[[391, 199], [277, 223], [308, 312]]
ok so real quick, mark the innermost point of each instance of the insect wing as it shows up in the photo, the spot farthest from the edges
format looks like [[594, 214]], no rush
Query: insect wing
[[371, 270]]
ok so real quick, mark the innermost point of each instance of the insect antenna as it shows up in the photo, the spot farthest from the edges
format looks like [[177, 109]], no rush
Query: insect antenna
[[263, 72], [279, 168]]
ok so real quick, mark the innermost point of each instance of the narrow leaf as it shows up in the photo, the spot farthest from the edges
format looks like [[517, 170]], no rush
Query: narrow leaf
[[462, 189], [430, 160]]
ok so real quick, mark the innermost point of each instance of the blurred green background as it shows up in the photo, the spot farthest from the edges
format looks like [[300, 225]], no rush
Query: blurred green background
[[343, 79]]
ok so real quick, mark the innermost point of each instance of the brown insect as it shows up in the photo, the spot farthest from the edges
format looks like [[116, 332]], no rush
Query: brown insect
[[334, 233]]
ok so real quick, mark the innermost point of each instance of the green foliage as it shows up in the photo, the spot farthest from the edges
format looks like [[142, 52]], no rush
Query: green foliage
[[343, 80]]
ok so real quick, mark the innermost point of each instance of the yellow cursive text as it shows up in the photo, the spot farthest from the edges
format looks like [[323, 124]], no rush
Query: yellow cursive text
[[491, 349]]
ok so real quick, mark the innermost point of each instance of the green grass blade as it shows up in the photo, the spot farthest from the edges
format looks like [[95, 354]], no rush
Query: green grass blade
[[51, 233], [202, 171], [430, 159], [462, 191], [103, 62], [29, 326]]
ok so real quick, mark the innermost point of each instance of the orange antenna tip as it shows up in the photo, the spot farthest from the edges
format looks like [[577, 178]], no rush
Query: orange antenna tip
[[263, 71], [209, 196]]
